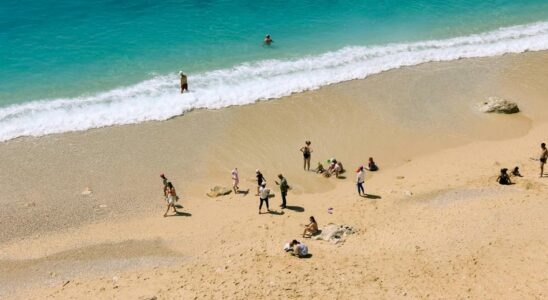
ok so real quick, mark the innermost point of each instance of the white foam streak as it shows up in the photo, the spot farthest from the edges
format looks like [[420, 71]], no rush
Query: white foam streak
[[159, 98]]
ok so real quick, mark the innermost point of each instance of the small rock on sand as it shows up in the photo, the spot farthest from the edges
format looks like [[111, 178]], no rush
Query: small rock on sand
[[31, 204], [87, 192], [498, 105], [103, 206], [218, 191]]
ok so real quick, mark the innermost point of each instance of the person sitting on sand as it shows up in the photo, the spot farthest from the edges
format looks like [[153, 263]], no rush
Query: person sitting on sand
[[372, 166], [515, 172], [320, 169], [235, 180], [263, 196], [311, 229], [268, 40], [171, 198], [299, 249], [503, 178]]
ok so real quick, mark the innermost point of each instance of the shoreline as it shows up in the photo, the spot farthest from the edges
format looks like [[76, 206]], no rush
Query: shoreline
[[381, 114]]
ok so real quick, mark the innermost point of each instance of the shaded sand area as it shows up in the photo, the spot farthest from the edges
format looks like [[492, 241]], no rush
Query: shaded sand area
[[435, 224]]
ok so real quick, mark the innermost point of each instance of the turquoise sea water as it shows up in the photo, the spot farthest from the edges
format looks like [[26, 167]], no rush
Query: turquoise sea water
[[72, 65]]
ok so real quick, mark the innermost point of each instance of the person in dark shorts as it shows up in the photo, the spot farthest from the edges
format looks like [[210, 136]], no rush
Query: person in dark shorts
[[371, 165], [307, 155], [263, 196], [260, 180], [543, 157], [503, 178], [184, 82], [284, 187]]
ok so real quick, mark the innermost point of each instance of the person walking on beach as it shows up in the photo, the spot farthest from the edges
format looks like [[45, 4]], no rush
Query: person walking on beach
[[260, 180], [284, 187], [307, 155], [235, 180], [360, 178], [268, 40], [171, 199], [543, 157], [164, 181], [263, 197], [184, 82]]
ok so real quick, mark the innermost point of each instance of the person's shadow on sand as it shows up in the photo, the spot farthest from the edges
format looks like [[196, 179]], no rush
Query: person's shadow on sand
[[180, 214], [371, 196], [273, 212], [243, 192], [295, 208]]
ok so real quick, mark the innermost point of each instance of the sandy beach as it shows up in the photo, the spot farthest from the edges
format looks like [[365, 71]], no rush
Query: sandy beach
[[435, 224]]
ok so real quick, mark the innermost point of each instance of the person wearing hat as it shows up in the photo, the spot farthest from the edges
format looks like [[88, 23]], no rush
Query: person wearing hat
[[184, 82], [263, 196], [260, 180]]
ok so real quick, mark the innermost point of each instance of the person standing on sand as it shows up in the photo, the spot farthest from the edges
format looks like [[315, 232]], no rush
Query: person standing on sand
[[543, 157], [284, 187], [263, 197], [235, 180], [307, 155], [184, 82], [171, 199], [360, 178], [260, 180]]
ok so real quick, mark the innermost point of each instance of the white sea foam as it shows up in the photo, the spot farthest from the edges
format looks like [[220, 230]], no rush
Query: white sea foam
[[159, 98]]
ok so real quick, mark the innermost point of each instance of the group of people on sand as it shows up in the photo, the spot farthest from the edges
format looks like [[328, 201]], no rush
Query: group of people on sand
[[300, 249], [504, 177]]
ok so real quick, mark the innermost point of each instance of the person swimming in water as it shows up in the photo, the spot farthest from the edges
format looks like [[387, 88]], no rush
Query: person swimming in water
[[268, 40]]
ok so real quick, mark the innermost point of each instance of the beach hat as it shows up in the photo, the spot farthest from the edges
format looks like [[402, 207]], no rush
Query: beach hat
[[263, 183], [257, 171], [181, 73], [162, 175]]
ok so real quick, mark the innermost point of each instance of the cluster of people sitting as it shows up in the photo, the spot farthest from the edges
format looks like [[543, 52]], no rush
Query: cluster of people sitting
[[504, 177]]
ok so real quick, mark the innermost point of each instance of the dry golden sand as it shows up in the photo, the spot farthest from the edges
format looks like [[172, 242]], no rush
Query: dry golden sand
[[436, 225]]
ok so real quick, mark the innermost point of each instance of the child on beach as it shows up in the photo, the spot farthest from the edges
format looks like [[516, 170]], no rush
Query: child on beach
[[263, 197], [235, 180], [372, 166], [320, 169], [299, 249], [164, 181], [171, 199], [503, 178], [360, 178], [516, 173], [310, 229]]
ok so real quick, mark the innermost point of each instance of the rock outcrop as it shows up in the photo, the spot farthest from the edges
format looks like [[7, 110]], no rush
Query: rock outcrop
[[334, 233], [218, 191], [498, 105]]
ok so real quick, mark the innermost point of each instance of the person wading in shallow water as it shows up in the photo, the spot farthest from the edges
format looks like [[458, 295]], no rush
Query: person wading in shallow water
[[184, 82], [268, 40], [307, 155]]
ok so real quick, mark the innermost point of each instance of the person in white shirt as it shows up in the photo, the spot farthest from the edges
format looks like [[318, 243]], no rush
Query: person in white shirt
[[299, 249], [359, 181], [263, 196], [235, 180]]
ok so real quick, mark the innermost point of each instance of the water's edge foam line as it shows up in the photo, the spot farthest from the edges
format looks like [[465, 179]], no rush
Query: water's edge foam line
[[159, 98]]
